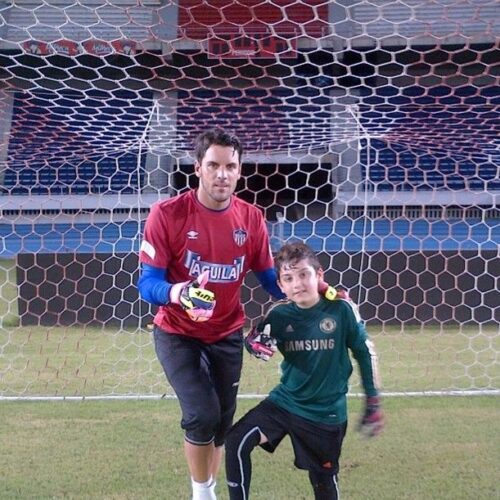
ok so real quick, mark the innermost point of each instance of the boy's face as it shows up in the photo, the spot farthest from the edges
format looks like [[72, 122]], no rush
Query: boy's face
[[299, 282]]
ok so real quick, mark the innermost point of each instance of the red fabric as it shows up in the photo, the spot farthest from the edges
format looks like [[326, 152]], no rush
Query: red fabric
[[198, 18], [186, 238]]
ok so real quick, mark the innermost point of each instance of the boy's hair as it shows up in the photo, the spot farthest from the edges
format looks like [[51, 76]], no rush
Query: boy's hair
[[219, 137], [291, 253]]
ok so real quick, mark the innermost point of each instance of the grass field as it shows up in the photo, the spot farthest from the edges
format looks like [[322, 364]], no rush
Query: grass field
[[433, 447], [74, 361], [85, 361]]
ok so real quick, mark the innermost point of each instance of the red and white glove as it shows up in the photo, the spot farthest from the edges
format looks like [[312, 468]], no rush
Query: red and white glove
[[338, 293], [261, 344], [372, 422], [332, 293], [198, 302]]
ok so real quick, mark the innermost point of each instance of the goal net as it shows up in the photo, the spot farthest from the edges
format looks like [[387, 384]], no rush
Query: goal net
[[371, 132]]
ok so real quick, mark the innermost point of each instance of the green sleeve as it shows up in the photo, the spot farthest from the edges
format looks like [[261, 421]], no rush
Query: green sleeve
[[364, 353]]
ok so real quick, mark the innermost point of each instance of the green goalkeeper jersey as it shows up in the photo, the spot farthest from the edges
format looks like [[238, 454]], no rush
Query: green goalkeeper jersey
[[315, 344]]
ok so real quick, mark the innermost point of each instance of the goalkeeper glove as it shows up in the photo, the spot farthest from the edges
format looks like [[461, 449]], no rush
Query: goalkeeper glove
[[332, 293], [261, 344], [198, 302], [372, 422]]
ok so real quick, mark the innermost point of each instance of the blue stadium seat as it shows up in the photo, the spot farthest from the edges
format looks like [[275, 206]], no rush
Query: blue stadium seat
[[382, 165], [394, 167], [63, 169]]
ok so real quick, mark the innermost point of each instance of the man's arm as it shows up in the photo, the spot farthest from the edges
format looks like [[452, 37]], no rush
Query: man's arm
[[197, 302], [269, 281], [153, 285]]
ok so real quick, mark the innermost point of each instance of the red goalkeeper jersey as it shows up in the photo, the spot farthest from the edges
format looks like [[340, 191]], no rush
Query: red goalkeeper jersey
[[186, 238]]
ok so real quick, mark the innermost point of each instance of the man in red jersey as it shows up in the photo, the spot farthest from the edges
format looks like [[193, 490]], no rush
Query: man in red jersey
[[196, 250]]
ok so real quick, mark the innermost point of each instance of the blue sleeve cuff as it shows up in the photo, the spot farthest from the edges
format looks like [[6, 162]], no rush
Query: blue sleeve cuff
[[268, 280]]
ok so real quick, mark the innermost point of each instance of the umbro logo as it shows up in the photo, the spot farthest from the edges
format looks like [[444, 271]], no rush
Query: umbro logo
[[192, 235]]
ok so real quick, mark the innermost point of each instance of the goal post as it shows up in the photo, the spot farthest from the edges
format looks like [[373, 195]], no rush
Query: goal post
[[370, 133]]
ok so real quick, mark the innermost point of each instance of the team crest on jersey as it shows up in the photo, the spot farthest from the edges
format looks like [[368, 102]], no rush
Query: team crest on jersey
[[240, 236], [327, 325]]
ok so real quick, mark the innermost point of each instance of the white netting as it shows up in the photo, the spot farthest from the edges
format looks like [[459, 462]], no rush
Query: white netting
[[371, 130]]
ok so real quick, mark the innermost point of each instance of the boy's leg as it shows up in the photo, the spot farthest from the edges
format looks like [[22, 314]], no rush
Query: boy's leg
[[263, 425], [240, 442], [325, 485], [317, 449]]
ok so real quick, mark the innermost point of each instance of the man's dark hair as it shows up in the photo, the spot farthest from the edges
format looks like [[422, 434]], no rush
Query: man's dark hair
[[291, 253], [219, 137]]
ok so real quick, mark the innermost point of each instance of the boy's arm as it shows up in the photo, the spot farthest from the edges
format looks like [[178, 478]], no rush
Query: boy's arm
[[372, 420], [363, 349]]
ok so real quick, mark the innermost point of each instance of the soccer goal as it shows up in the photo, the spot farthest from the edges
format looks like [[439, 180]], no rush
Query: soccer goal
[[371, 133]]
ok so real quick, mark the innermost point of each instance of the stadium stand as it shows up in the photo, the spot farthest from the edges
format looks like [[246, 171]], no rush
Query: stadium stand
[[394, 167], [69, 237], [66, 141]]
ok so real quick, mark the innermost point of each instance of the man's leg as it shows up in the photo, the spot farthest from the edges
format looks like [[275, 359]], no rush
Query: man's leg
[[185, 366], [226, 358], [200, 460], [216, 461]]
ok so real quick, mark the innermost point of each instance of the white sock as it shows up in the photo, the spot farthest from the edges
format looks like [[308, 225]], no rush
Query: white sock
[[203, 491], [213, 484]]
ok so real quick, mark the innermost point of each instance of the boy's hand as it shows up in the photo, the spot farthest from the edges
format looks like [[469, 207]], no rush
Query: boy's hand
[[198, 302], [372, 422], [261, 344]]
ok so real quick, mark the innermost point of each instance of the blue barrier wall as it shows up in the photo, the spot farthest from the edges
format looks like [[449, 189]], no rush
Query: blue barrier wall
[[322, 235]]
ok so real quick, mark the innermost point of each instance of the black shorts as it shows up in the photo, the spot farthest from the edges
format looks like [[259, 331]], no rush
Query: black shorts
[[205, 378], [316, 446]]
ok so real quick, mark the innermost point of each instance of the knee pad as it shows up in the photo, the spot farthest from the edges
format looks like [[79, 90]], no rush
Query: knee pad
[[325, 486]]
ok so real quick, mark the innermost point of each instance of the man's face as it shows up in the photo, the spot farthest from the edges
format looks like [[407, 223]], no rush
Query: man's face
[[299, 282], [219, 171]]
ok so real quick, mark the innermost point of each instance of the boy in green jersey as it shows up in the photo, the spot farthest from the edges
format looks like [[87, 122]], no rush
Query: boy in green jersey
[[314, 335]]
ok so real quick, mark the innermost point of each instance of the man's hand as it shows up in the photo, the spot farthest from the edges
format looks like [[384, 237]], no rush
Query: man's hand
[[261, 344], [372, 422], [332, 293], [198, 302]]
